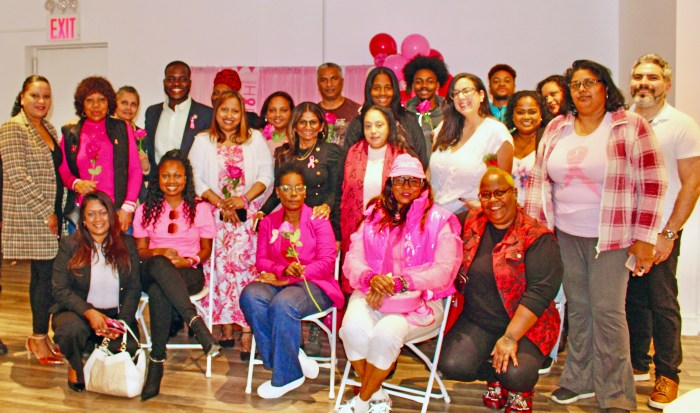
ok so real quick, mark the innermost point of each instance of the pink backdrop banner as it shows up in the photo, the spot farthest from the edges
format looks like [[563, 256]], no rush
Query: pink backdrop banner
[[260, 82]]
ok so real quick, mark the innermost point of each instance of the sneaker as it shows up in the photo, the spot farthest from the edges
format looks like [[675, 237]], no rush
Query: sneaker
[[383, 406], [665, 391], [546, 366], [495, 395], [308, 366], [563, 395], [519, 402], [354, 405], [312, 347], [268, 391], [640, 375], [380, 396]]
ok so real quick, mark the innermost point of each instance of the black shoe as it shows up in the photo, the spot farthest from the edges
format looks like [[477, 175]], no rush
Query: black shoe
[[74, 383], [3, 348], [546, 366], [151, 388], [201, 331], [312, 348]]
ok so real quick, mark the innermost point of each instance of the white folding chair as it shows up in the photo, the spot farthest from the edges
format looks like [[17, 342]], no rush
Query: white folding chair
[[422, 396], [325, 362], [196, 300]]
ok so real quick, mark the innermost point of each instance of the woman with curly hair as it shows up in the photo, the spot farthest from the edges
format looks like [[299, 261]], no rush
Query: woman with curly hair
[[100, 152], [174, 235]]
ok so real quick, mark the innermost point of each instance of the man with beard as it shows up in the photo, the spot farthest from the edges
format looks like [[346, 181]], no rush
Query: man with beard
[[501, 87], [426, 75], [174, 123], [652, 300], [329, 77]]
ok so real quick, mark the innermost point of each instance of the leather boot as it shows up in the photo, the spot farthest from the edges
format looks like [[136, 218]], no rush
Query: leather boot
[[201, 331], [151, 388]]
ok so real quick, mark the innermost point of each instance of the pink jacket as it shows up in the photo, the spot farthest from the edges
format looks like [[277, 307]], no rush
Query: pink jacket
[[317, 252]]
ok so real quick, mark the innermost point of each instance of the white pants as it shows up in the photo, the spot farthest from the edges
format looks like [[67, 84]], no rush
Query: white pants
[[378, 337]]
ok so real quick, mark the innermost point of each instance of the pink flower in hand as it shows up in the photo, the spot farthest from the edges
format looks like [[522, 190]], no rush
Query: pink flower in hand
[[234, 172], [423, 107], [268, 130], [286, 227], [140, 134], [92, 150], [331, 118]]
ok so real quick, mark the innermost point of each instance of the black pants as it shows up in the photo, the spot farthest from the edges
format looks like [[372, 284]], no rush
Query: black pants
[[466, 353], [168, 287], [40, 297], [653, 312], [73, 334]]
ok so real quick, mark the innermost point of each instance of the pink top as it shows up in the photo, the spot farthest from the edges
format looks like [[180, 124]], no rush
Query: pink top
[[97, 132], [186, 238]]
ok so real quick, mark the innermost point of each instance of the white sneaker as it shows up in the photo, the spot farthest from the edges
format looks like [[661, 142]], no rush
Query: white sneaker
[[380, 395], [308, 366], [383, 406], [354, 405], [268, 391]]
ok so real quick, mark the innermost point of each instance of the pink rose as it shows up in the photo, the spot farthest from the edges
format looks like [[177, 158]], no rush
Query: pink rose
[[286, 227], [330, 118], [423, 107], [268, 130], [234, 172], [92, 150], [140, 134]]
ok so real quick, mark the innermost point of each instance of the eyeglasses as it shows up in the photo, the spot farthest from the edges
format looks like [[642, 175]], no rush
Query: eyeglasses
[[313, 123], [498, 194], [466, 92], [587, 84], [401, 180], [172, 227], [299, 189]]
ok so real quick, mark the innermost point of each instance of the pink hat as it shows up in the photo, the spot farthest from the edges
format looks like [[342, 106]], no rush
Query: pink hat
[[407, 165]]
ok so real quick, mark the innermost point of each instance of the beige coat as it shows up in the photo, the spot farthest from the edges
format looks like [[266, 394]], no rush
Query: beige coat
[[29, 191]]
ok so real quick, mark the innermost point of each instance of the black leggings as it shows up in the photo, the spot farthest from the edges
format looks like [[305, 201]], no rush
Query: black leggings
[[40, 297], [466, 354], [168, 287]]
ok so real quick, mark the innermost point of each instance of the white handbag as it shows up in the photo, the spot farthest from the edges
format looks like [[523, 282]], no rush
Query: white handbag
[[116, 374]]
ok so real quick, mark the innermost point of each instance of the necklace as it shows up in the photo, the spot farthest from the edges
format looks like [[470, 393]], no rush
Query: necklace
[[306, 155]]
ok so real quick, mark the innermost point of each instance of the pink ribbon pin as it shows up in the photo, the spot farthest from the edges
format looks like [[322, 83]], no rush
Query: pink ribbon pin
[[312, 162]]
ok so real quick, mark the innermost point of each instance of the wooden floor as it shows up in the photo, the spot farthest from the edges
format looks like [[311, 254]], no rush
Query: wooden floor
[[26, 386]]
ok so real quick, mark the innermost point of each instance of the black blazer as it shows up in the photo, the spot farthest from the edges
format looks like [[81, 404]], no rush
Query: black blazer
[[201, 114], [70, 290]]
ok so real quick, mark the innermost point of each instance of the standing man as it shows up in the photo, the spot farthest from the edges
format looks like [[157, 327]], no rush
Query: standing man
[[652, 300], [174, 123], [330, 86], [501, 87], [426, 75]]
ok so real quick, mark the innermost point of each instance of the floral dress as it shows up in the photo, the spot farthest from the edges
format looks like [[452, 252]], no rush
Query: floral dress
[[234, 246]]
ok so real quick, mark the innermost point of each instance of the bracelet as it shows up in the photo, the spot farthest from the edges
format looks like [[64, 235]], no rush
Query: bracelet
[[404, 284], [196, 259]]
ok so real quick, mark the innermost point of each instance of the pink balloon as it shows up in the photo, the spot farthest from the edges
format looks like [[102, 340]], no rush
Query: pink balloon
[[414, 45], [435, 53], [379, 59], [396, 62], [382, 43]]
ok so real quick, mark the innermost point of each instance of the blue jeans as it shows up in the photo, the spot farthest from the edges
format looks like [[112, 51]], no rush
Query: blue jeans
[[274, 314]]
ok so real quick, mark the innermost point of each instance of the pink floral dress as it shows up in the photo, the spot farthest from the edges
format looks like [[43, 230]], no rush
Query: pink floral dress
[[234, 246]]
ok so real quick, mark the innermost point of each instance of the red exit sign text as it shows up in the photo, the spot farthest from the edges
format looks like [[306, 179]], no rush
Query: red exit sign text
[[63, 28]]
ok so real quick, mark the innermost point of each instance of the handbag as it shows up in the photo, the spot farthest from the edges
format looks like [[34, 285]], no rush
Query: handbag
[[116, 374], [402, 303]]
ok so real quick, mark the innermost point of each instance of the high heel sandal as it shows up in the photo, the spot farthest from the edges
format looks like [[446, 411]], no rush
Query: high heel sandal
[[55, 350], [246, 345], [227, 340], [73, 382], [201, 331], [33, 349]]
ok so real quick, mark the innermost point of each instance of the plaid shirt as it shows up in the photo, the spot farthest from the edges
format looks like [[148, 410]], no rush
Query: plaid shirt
[[634, 185]]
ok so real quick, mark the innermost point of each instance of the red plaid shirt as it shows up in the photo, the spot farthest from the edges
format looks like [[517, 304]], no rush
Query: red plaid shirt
[[634, 185]]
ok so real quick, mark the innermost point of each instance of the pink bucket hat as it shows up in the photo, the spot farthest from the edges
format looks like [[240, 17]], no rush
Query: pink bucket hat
[[406, 165]]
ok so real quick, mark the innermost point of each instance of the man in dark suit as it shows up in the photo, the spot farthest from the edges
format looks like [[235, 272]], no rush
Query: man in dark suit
[[174, 123]]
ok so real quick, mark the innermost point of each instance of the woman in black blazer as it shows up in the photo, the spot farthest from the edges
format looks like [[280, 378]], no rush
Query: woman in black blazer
[[95, 278]]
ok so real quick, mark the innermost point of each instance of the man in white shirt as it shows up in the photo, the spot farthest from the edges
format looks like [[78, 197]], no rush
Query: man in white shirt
[[652, 300], [174, 123]]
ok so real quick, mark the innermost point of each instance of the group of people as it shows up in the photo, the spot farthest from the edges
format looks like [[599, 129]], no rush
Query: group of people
[[519, 206]]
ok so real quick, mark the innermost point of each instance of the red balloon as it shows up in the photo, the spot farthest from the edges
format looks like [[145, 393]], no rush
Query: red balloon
[[443, 88], [396, 62], [435, 53], [406, 96], [382, 43]]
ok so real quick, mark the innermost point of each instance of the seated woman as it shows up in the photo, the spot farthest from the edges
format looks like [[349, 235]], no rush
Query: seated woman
[[506, 321], [174, 235], [95, 278], [275, 305], [386, 260]]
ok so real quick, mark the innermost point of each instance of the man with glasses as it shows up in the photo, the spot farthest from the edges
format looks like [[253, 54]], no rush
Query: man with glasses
[[329, 77], [501, 87], [652, 300]]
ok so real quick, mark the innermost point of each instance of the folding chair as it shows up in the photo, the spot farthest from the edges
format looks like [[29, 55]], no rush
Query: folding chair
[[325, 362], [196, 300], [421, 396]]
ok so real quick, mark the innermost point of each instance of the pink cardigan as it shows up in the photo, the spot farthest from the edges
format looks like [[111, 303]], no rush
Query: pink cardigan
[[317, 252]]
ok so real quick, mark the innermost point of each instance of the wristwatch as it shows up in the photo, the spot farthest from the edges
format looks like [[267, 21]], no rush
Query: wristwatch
[[668, 234]]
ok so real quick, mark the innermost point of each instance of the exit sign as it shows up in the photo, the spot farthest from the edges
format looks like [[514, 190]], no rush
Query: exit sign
[[64, 27]]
